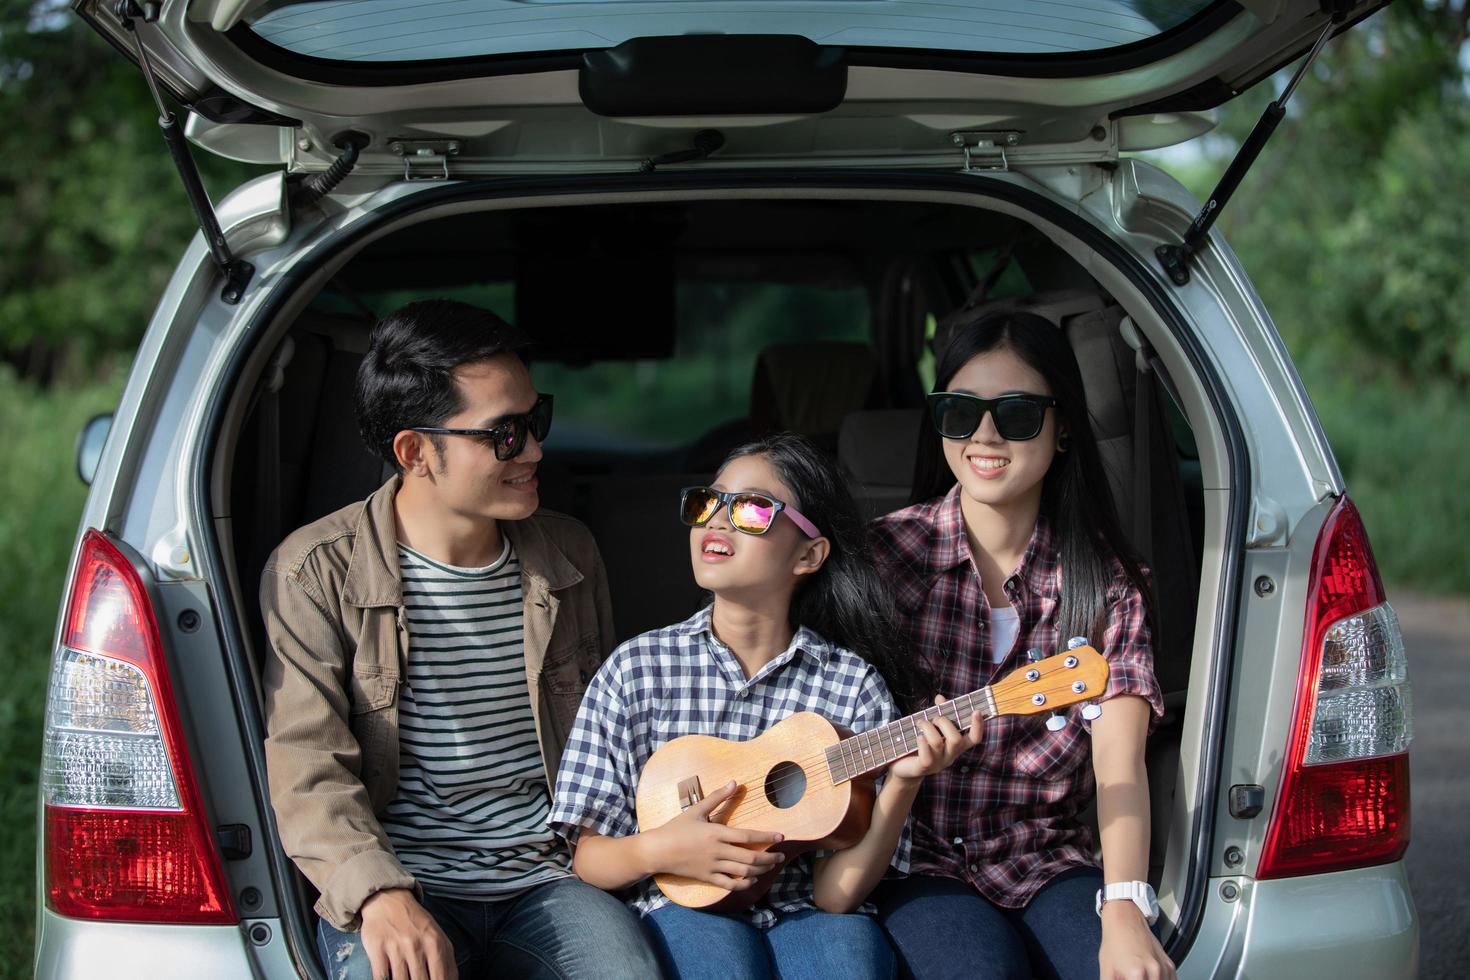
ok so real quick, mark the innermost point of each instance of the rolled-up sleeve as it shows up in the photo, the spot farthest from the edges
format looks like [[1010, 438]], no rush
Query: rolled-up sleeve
[[1128, 649]]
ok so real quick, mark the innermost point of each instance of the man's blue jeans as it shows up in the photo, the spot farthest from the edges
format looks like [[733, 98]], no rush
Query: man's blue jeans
[[562, 930], [805, 945]]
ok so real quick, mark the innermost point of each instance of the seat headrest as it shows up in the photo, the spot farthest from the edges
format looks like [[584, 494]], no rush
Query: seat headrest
[[878, 447], [809, 387]]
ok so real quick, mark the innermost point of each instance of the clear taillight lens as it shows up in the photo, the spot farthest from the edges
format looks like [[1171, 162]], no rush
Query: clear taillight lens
[[103, 745], [1364, 707]]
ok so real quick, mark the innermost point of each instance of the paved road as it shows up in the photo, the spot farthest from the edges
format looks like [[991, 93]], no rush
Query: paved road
[[1437, 632]]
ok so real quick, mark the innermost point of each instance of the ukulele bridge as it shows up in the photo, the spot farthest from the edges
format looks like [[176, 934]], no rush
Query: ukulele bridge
[[690, 792]]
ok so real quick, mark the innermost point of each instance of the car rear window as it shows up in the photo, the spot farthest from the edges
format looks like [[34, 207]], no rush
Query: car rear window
[[388, 31], [639, 405]]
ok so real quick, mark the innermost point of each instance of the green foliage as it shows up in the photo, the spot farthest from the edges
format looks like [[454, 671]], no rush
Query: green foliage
[[1399, 257], [92, 214], [1403, 447], [43, 502]]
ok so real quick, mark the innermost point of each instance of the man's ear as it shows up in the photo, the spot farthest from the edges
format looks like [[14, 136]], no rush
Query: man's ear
[[414, 452], [812, 556]]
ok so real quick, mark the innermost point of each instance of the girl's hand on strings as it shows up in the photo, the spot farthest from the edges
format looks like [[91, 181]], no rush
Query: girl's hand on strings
[[940, 744], [696, 845]]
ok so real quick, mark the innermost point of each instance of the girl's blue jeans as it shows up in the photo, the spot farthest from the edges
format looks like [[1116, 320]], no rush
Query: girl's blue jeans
[[943, 929], [805, 945]]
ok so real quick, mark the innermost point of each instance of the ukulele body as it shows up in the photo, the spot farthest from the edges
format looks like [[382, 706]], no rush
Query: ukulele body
[[784, 786]]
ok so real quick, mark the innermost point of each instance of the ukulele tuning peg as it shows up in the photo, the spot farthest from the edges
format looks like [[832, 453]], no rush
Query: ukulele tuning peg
[[1091, 710], [1076, 641], [1034, 655], [1056, 722]]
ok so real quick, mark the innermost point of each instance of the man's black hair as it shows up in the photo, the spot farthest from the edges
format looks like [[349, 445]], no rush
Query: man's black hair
[[407, 377]]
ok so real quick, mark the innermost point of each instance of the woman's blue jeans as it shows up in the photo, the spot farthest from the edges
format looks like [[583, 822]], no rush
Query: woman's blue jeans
[[943, 929], [805, 945]]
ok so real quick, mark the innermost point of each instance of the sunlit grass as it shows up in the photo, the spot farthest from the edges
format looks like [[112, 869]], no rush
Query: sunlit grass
[[40, 503]]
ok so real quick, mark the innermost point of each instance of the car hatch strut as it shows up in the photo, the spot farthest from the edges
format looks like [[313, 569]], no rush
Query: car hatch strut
[[237, 272], [1175, 258]]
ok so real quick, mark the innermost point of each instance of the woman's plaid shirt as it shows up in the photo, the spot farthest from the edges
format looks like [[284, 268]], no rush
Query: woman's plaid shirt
[[1004, 816], [681, 680]]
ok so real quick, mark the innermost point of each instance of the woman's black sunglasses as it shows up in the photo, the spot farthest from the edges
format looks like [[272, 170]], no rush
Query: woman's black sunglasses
[[1017, 417], [509, 437]]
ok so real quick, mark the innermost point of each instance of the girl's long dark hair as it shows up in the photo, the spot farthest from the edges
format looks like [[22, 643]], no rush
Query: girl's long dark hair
[[1075, 495], [843, 601]]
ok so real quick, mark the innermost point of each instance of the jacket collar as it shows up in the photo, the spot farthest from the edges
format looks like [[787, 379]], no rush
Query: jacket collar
[[542, 562], [374, 578]]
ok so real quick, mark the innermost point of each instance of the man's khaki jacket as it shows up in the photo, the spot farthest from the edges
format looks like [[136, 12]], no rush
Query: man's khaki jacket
[[332, 597]]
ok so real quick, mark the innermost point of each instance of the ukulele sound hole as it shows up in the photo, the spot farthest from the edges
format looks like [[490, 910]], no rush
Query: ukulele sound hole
[[785, 785]]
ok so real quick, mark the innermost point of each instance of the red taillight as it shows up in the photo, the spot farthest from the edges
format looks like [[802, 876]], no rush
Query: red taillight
[[1344, 798], [126, 837]]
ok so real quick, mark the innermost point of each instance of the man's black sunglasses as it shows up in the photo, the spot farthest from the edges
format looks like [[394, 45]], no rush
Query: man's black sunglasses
[[1018, 417], [509, 437]]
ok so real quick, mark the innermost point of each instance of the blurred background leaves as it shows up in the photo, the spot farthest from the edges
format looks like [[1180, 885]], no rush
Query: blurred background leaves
[[1354, 226]]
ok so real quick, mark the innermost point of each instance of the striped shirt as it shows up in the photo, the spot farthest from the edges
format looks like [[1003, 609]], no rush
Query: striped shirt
[[469, 820], [681, 680]]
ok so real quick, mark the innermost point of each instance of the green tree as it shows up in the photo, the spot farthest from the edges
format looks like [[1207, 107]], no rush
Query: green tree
[[92, 214]]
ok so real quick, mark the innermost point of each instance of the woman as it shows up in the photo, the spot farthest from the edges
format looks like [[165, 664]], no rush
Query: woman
[[796, 624], [1013, 547]]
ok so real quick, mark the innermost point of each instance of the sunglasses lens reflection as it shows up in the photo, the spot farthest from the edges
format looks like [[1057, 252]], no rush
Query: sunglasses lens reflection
[[698, 507], [751, 513]]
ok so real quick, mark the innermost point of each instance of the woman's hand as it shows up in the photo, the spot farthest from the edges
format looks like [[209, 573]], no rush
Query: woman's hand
[[940, 743], [1129, 949], [694, 846]]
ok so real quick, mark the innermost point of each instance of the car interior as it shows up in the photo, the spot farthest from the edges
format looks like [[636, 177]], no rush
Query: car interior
[[670, 333]]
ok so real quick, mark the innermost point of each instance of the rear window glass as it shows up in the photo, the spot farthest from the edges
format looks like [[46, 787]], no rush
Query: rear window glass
[[412, 31], [641, 405]]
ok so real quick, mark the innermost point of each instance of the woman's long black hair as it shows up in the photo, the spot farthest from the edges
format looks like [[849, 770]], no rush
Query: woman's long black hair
[[1075, 495], [843, 601]]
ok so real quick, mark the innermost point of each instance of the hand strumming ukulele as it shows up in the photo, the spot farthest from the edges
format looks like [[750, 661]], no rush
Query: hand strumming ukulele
[[814, 782]]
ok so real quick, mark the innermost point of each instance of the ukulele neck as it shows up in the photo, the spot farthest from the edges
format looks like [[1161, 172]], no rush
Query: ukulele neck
[[872, 750]]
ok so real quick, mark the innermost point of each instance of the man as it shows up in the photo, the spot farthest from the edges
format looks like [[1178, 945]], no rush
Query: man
[[428, 650]]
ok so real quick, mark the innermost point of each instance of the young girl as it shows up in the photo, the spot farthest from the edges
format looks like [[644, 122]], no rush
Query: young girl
[[796, 625], [1014, 548]]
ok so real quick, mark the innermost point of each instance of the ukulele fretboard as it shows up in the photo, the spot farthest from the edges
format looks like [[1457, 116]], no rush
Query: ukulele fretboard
[[876, 748]]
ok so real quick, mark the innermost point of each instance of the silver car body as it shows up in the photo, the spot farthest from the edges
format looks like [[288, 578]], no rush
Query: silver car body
[[1269, 479]]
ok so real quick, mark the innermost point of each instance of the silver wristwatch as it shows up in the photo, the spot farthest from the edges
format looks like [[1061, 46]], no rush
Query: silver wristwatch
[[1140, 893]]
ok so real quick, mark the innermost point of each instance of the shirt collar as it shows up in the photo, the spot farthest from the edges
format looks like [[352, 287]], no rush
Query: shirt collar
[[806, 640], [951, 546]]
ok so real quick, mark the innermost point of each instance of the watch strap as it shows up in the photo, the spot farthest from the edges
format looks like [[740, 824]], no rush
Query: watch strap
[[1140, 893]]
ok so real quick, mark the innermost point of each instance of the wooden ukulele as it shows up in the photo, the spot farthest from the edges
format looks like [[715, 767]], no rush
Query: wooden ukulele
[[813, 782]]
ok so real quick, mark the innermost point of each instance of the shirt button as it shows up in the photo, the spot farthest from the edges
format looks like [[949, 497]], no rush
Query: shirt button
[[959, 840], [965, 768], [974, 868]]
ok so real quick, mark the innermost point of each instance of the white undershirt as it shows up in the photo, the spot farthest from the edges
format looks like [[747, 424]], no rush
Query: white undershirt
[[1005, 623]]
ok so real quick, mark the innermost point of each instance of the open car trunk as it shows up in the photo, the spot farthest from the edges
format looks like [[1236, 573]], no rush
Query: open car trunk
[[671, 327]]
